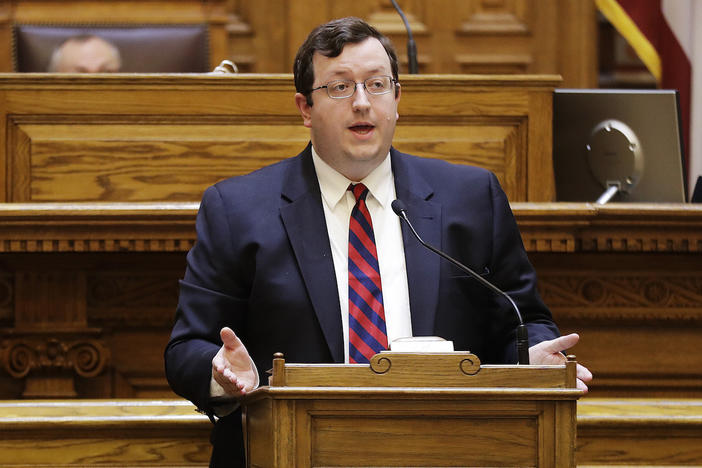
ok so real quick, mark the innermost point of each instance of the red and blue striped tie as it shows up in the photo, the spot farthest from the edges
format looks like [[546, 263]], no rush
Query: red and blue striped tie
[[367, 334]]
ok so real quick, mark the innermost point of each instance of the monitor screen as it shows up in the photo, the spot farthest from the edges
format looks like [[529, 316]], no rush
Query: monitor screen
[[617, 145]]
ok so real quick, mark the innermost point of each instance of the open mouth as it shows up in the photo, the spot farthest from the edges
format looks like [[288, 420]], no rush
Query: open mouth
[[361, 129]]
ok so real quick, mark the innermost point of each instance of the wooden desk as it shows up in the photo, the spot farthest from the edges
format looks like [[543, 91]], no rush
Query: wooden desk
[[160, 138]]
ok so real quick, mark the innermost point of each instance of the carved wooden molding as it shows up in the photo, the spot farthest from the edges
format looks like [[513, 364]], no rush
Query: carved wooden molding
[[27, 354], [170, 227], [620, 227], [97, 227], [605, 296]]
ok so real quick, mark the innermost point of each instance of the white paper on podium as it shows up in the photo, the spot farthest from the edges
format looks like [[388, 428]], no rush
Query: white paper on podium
[[421, 344]]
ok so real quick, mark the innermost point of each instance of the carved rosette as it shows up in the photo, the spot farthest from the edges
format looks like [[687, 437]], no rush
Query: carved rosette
[[83, 357]]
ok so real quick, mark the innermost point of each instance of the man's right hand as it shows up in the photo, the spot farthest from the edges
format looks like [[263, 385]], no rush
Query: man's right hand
[[232, 367]]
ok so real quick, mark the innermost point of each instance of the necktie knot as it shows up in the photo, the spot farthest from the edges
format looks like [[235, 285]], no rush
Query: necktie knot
[[359, 191]]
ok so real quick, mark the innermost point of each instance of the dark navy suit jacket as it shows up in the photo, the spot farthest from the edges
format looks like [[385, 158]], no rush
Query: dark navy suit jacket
[[262, 265]]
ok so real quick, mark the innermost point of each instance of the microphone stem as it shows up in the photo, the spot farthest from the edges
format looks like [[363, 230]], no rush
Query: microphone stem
[[522, 332], [412, 64]]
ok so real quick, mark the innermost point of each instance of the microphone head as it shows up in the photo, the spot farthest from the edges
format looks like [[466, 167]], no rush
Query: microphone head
[[398, 207]]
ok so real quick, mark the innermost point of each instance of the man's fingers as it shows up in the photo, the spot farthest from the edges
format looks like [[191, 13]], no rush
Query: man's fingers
[[581, 385], [584, 373], [229, 338], [561, 343]]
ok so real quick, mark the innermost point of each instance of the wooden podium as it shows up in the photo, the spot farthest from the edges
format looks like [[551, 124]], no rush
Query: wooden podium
[[403, 409]]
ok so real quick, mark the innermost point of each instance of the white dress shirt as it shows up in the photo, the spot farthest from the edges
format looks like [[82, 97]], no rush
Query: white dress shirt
[[338, 202]]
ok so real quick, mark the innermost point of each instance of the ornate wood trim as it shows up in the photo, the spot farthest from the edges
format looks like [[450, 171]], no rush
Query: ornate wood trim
[[97, 227], [169, 227], [586, 227]]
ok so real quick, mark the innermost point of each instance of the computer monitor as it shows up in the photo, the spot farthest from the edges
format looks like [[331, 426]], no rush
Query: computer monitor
[[618, 145]]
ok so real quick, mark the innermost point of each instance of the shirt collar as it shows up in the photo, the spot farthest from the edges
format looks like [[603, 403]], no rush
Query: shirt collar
[[334, 185]]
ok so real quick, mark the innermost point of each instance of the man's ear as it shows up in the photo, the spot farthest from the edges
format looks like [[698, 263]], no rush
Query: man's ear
[[305, 109]]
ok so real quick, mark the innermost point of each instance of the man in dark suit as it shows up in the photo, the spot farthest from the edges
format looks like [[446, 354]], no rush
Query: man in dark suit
[[272, 270]]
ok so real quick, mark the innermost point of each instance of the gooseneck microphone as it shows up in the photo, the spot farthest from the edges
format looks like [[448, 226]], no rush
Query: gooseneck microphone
[[522, 333], [411, 45]]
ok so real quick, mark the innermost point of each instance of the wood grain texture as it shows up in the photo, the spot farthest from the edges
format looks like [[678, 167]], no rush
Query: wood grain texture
[[452, 36], [395, 369], [168, 137], [631, 432], [103, 433], [336, 417], [639, 432]]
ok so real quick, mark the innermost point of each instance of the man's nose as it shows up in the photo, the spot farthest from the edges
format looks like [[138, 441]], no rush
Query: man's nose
[[360, 97]]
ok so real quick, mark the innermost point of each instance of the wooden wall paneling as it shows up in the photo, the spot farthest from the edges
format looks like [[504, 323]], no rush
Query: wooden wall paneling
[[51, 341], [241, 36], [78, 282], [301, 17], [576, 47], [19, 162], [494, 37], [268, 18], [646, 310], [119, 11], [5, 36], [539, 167], [453, 36], [383, 16], [626, 277], [630, 282], [6, 180]]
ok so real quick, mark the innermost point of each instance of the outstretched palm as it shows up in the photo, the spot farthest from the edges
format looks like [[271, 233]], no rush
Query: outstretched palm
[[232, 367]]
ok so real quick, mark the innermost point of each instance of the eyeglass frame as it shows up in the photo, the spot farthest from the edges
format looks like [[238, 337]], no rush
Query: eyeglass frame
[[355, 86]]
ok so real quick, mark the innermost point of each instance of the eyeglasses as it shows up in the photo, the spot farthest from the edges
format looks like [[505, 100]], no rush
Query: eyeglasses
[[374, 85]]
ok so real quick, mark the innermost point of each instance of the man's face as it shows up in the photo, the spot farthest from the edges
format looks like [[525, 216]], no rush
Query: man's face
[[92, 56], [353, 135]]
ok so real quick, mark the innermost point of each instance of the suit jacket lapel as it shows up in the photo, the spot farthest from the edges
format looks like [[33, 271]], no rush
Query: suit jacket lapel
[[423, 266], [303, 217]]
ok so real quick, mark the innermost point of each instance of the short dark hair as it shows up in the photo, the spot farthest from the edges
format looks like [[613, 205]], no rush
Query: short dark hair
[[329, 39]]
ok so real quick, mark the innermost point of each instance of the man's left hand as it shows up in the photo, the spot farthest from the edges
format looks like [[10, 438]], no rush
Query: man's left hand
[[550, 352]]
